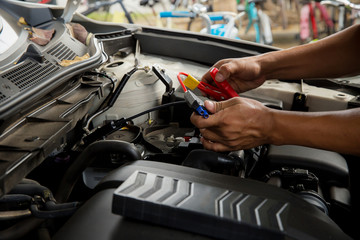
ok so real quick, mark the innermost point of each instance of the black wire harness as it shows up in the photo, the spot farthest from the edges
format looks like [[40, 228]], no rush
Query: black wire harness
[[114, 125]]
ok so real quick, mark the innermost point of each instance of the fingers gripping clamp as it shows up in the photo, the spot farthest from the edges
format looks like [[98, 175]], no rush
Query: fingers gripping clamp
[[196, 104]]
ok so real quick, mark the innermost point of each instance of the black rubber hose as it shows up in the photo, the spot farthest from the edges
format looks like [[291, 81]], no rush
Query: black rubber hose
[[213, 162], [61, 212], [87, 157], [50, 208], [14, 202], [53, 206], [19, 199], [31, 189]]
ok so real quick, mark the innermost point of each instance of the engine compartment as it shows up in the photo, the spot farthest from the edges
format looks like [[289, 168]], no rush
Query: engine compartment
[[66, 148]]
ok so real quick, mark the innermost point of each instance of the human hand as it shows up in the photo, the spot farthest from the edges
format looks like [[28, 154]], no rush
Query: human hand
[[242, 74], [238, 123]]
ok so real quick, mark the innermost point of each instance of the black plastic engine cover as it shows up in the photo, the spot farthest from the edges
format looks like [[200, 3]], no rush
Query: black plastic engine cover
[[204, 204], [200, 208]]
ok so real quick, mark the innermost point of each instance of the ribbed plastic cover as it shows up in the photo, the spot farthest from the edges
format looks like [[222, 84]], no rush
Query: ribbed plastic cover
[[209, 210]]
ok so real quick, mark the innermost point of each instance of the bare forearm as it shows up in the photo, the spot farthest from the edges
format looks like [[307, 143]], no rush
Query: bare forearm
[[336, 131], [331, 57]]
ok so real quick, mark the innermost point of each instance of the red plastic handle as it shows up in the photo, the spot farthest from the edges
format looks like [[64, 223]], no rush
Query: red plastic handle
[[212, 91], [224, 86]]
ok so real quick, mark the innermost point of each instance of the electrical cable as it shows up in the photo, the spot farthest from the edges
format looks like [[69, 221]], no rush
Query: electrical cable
[[101, 75], [86, 128], [117, 124], [121, 86], [180, 80], [116, 94], [112, 97]]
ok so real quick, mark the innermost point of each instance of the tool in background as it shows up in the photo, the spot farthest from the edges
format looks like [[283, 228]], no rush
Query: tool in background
[[192, 100], [223, 90]]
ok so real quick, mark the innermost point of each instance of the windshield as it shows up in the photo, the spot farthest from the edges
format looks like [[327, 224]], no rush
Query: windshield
[[7, 36]]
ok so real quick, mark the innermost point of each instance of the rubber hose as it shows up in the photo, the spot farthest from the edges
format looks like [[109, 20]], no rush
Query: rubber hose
[[18, 199], [87, 157], [36, 212], [15, 203], [52, 206], [32, 190]]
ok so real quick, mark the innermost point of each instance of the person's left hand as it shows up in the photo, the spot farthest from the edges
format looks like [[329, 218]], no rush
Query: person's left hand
[[238, 123]]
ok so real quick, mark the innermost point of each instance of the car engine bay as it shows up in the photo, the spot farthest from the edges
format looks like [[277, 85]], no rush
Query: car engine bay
[[103, 148]]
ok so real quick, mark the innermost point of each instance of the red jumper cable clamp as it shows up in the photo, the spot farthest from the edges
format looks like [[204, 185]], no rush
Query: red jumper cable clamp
[[223, 90], [193, 101], [223, 86]]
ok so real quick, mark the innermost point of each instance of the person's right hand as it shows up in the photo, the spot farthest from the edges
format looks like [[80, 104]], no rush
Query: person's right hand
[[242, 74], [235, 124]]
